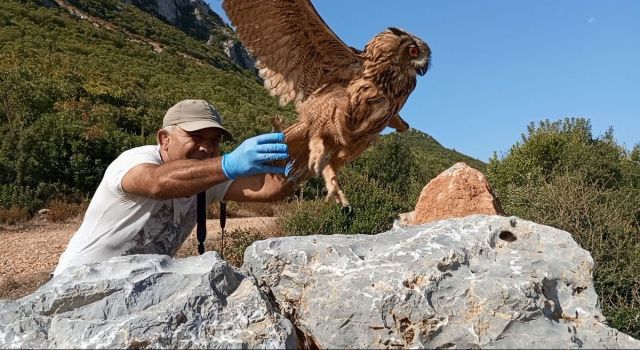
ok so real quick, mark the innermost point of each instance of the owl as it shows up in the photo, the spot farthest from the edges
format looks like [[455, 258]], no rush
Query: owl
[[344, 97]]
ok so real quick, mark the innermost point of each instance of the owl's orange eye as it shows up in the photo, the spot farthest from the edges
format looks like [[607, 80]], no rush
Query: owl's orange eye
[[414, 51]]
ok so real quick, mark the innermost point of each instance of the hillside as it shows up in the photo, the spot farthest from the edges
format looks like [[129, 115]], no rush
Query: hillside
[[82, 80], [429, 151]]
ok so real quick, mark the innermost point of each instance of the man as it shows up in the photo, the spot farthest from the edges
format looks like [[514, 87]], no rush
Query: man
[[146, 202]]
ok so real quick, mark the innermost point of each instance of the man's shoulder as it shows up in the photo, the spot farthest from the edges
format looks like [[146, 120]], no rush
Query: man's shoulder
[[134, 156], [128, 160], [146, 149], [147, 152]]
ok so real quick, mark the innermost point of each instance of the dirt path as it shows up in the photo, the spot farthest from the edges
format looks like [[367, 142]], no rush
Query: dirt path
[[31, 252]]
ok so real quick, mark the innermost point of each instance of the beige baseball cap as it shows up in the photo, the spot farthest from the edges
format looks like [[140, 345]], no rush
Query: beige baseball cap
[[192, 115]]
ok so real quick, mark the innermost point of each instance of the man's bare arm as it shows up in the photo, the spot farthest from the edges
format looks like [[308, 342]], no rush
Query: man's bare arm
[[259, 188], [180, 178]]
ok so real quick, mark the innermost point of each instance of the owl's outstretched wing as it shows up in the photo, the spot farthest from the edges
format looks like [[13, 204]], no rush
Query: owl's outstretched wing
[[296, 51]]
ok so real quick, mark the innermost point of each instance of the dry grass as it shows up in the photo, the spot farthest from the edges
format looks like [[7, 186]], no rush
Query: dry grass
[[13, 215], [59, 210]]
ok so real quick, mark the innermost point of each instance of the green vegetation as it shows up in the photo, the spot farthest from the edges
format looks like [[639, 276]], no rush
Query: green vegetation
[[236, 242], [561, 175], [375, 209], [73, 96], [384, 181]]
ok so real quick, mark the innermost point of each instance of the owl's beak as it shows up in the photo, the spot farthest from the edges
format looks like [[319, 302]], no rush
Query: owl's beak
[[422, 69]]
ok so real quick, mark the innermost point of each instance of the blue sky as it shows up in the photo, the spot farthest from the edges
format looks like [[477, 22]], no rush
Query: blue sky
[[500, 64]]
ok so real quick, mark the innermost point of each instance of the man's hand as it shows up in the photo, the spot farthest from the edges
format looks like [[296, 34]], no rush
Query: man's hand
[[254, 155]]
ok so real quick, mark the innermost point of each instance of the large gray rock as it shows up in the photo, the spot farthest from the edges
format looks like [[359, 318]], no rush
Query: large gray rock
[[146, 301], [476, 282]]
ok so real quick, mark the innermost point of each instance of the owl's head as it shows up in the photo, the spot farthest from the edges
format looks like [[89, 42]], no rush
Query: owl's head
[[404, 48]]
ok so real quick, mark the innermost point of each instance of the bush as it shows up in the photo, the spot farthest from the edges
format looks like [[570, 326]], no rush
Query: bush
[[562, 176], [61, 148], [389, 162], [31, 198], [405, 162], [375, 209]]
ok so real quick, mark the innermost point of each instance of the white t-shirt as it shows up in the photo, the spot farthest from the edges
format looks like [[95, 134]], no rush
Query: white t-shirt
[[119, 223]]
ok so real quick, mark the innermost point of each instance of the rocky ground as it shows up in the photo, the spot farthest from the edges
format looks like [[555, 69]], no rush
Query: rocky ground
[[30, 251]]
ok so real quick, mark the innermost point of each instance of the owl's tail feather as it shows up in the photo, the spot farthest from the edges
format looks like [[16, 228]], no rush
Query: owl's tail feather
[[297, 140]]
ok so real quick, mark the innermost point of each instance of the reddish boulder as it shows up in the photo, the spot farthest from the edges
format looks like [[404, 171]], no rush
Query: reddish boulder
[[457, 192]]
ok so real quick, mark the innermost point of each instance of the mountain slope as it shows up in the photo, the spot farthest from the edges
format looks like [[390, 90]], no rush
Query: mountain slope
[[434, 158]]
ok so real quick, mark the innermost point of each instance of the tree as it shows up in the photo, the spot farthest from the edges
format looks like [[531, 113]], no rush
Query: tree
[[389, 162]]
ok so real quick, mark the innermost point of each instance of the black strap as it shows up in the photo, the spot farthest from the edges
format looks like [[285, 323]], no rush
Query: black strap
[[223, 221], [201, 220]]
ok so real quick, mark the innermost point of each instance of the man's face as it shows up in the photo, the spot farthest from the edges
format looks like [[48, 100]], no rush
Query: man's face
[[199, 144]]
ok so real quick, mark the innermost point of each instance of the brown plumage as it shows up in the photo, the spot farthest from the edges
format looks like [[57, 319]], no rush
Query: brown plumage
[[344, 97]]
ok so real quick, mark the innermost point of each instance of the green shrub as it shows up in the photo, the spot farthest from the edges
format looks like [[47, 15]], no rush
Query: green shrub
[[389, 162], [32, 198], [562, 176], [405, 162], [375, 208]]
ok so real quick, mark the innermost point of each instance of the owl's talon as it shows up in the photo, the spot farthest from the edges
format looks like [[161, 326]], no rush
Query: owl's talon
[[348, 211]]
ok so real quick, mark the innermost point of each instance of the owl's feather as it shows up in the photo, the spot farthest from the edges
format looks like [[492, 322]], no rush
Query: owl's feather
[[297, 51]]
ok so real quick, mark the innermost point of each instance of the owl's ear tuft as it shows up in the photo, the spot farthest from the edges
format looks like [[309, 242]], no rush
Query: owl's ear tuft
[[396, 31]]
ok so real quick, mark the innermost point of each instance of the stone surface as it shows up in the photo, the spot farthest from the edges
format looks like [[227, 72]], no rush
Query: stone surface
[[457, 192], [478, 282], [404, 219], [146, 301]]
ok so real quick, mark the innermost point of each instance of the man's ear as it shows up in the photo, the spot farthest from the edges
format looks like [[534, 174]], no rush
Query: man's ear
[[163, 137]]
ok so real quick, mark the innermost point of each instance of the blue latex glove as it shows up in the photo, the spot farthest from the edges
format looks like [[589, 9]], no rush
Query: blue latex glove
[[254, 154]]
